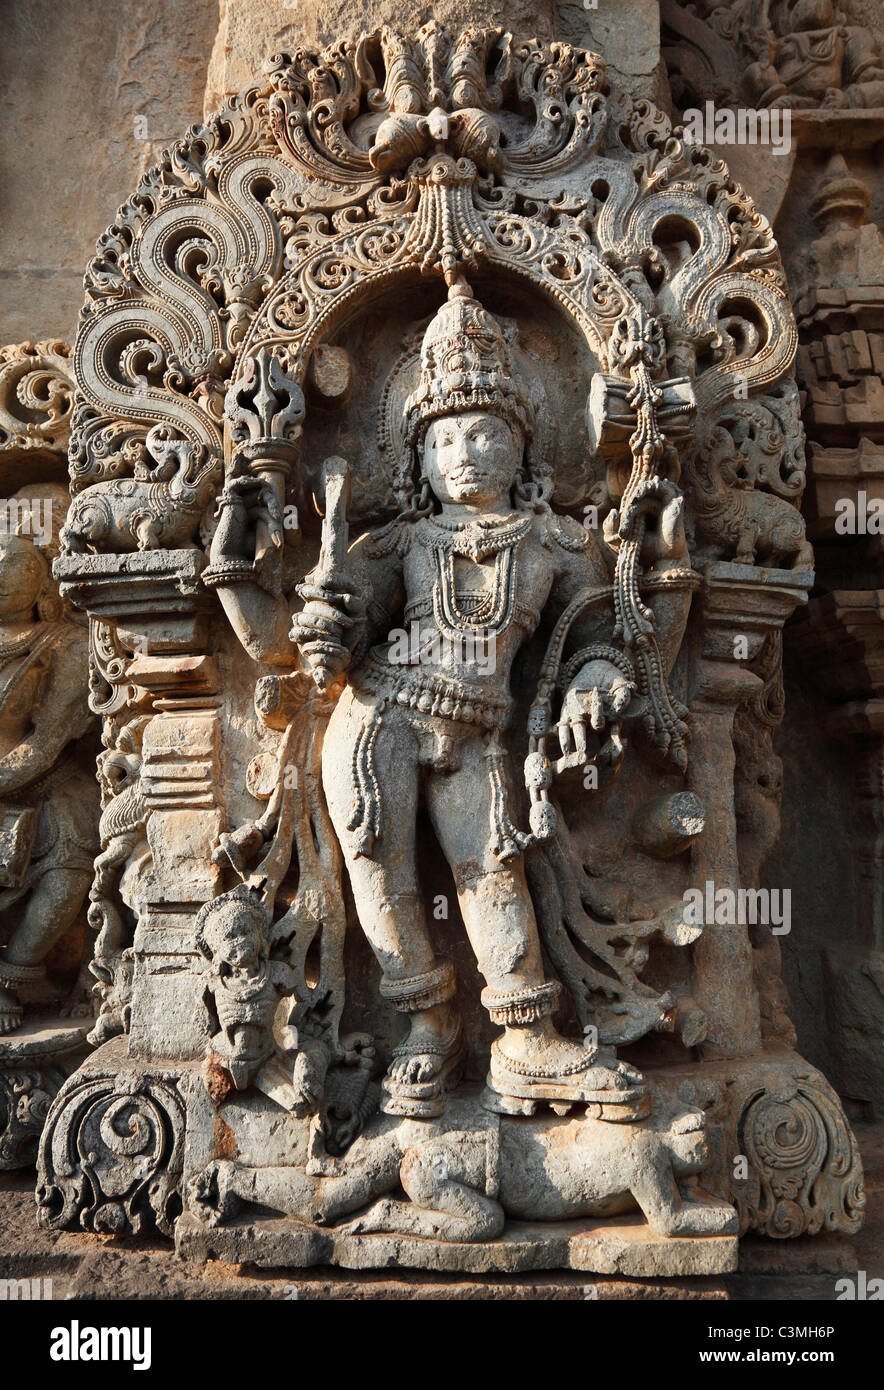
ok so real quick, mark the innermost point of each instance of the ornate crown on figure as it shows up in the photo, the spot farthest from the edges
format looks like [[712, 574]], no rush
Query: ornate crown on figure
[[466, 364]]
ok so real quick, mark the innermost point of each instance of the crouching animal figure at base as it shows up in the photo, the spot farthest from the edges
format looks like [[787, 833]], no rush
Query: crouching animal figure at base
[[463, 1183]]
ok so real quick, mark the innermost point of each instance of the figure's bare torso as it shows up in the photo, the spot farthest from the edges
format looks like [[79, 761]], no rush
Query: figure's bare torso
[[502, 594]]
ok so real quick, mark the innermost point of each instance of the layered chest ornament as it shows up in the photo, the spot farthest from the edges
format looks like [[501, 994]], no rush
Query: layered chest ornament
[[488, 610]]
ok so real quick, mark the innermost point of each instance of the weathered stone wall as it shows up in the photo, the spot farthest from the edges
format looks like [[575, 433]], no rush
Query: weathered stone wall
[[92, 91]]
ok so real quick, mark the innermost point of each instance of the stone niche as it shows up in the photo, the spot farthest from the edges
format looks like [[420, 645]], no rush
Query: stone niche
[[435, 603]]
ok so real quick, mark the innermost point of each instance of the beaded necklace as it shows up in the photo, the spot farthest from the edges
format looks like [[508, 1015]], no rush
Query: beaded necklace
[[474, 540]]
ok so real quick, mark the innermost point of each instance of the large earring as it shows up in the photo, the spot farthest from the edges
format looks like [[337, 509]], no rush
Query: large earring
[[50, 605], [424, 498], [421, 503]]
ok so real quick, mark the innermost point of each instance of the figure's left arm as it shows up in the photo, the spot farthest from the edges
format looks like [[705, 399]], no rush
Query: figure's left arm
[[61, 716], [599, 687], [667, 581]]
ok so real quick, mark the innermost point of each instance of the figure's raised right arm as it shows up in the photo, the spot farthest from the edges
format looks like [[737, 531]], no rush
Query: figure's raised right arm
[[347, 610], [360, 603], [249, 588]]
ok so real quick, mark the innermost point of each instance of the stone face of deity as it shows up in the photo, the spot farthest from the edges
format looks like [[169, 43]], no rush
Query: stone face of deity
[[471, 460], [22, 576]]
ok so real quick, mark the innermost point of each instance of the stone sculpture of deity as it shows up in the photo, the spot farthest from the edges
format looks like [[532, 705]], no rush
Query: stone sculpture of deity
[[476, 558], [48, 803], [468, 676]]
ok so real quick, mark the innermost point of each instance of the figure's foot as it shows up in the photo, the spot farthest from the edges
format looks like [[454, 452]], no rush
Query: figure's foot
[[320, 1163], [77, 1008], [703, 1219], [108, 1025], [536, 1064], [211, 1193], [401, 1218], [428, 1063], [377, 1217], [11, 1012]]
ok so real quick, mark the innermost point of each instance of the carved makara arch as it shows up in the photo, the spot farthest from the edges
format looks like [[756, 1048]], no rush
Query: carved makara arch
[[389, 157]]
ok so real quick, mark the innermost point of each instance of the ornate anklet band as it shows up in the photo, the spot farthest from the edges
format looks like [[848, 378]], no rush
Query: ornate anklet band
[[520, 1006], [11, 974], [233, 572], [682, 578], [418, 992]]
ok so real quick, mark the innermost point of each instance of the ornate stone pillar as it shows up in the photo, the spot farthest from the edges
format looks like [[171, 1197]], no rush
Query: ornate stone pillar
[[151, 607], [742, 606]]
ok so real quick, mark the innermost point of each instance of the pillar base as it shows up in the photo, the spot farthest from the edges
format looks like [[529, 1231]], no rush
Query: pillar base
[[126, 1141]]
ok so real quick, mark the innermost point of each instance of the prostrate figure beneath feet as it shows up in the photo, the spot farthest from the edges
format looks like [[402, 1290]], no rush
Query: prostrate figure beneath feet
[[464, 1183], [469, 566]]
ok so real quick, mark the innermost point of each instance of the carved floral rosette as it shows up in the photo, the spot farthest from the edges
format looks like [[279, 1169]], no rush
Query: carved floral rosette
[[805, 1174]]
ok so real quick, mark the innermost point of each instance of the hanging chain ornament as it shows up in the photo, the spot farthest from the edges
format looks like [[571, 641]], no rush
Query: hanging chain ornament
[[638, 347]]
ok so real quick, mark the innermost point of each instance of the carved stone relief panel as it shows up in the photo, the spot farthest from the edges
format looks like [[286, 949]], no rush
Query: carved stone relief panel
[[48, 797], [436, 436]]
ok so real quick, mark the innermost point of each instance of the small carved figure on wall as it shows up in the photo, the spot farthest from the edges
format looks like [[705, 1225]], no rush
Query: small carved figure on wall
[[462, 1185], [801, 54], [47, 843]]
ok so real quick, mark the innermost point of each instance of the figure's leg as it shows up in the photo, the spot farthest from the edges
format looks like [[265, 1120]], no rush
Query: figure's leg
[[391, 912], [52, 907], [223, 1186], [530, 1061], [667, 1214], [436, 1179], [444, 1202]]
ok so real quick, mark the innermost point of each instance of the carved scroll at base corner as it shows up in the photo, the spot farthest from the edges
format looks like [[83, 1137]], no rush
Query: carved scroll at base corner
[[111, 1154], [805, 1174], [26, 1093]]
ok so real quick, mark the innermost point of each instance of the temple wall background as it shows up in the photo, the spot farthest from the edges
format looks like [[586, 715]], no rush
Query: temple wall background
[[136, 75], [91, 94]]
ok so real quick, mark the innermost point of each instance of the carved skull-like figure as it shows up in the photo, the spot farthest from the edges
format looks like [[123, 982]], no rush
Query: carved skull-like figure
[[244, 984]]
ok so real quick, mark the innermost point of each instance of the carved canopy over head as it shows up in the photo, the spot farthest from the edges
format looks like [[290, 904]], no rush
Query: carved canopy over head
[[36, 397], [351, 174]]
